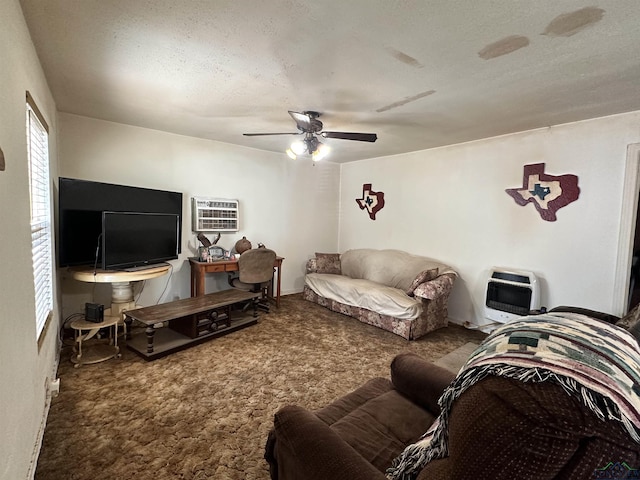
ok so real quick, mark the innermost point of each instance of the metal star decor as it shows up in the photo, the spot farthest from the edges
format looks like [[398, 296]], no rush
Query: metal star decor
[[548, 193], [371, 201]]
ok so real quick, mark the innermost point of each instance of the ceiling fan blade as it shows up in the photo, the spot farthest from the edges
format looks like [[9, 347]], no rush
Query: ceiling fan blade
[[259, 134], [302, 120], [362, 137]]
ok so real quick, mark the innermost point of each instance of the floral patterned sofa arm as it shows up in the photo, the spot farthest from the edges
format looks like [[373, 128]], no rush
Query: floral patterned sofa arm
[[438, 287], [312, 266]]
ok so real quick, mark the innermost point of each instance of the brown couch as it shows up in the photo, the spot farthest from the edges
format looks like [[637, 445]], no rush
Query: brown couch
[[499, 429]]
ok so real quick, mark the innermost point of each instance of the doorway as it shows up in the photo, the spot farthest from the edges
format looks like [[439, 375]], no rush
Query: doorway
[[634, 287], [628, 262]]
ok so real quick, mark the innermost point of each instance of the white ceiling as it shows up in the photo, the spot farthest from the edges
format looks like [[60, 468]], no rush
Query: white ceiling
[[420, 74]]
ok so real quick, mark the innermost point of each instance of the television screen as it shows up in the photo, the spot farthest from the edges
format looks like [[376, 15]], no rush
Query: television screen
[[79, 237], [80, 207], [134, 239]]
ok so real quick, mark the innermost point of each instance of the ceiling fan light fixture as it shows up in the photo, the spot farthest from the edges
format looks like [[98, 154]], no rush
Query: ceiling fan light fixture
[[298, 147], [291, 154], [322, 151]]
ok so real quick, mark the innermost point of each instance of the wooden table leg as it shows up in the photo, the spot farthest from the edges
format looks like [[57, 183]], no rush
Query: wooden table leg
[[193, 281], [128, 321], [197, 282], [269, 292], [278, 287], [150, 331], [275, 277], [200, 285]]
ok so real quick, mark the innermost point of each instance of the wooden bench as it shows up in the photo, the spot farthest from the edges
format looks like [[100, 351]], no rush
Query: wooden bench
[[176, 325]]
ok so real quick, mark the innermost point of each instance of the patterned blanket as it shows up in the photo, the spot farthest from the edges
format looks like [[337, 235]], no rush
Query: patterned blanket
[[596, 362]]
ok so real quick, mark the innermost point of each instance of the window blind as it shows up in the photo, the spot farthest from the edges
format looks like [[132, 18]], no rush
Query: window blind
[[41, 231]]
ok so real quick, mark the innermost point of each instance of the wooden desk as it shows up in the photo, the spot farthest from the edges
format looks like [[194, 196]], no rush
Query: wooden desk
[[198, 270]]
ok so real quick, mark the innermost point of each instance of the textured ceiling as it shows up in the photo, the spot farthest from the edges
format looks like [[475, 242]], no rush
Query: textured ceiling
[[420, 73]]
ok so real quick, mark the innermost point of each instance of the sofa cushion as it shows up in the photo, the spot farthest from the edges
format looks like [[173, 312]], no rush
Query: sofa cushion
[[381, 428], [376, 420], [393, 268], [367, 294], [328, 263], [301, 446], [355, 399], [423, 276], [437, 287]]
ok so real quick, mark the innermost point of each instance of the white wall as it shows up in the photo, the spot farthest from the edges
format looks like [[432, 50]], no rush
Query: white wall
[[24, 369], [290, 206], [450, 203]]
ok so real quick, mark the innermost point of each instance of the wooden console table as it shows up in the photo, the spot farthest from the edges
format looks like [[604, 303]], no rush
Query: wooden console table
[[175, 325], [199, 269]]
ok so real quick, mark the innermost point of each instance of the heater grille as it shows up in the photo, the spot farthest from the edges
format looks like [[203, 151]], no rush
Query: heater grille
[[510, 294]]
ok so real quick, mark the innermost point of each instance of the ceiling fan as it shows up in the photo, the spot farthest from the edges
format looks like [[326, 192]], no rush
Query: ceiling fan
[[309, 125]]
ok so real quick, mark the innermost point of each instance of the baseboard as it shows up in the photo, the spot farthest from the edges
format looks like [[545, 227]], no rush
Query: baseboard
[[455, 321], [45, 414], [290, 292]]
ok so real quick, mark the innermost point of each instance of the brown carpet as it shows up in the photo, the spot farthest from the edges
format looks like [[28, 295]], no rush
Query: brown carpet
[[204, 412]]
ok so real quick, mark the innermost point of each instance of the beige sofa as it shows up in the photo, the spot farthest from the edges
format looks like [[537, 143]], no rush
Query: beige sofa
[[394, 290]]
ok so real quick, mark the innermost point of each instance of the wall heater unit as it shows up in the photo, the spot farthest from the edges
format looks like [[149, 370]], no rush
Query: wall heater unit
[[511, 294]]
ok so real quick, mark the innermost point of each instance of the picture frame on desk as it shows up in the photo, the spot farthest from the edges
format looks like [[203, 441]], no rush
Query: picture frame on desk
[[216, 252], [212, 254]]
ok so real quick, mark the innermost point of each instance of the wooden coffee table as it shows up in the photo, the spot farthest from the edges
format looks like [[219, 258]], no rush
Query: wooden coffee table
[[176, 325]]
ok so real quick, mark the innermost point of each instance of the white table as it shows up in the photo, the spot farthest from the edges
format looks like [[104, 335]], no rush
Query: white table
[[121, 284], [98, 351]]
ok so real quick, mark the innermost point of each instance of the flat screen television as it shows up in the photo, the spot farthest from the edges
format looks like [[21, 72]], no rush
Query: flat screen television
[[137, 239], [80, 207]]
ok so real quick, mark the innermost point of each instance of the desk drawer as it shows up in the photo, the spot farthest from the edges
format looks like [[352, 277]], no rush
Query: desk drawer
[[216, 268]]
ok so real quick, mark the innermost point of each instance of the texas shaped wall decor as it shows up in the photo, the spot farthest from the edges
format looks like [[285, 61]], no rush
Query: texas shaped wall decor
[[548, 193], [371, 201]]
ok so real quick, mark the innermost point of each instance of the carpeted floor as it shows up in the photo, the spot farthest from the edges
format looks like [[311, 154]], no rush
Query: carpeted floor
[[204, 412]]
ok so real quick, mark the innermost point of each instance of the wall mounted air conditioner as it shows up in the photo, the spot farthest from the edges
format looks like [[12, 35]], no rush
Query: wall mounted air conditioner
[[510, 294]]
